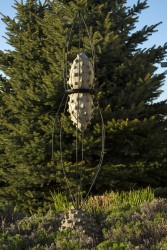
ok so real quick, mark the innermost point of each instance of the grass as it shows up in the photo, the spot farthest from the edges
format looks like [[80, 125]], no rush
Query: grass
[[134, 220]]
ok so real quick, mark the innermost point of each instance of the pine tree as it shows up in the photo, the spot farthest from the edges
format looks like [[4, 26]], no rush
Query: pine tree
[[27, 118], [127, 87]]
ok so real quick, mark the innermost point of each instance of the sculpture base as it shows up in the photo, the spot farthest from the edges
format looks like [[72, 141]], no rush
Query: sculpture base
[[85, 226]]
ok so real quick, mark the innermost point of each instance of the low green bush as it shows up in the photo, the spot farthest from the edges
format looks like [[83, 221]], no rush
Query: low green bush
[[128, 221], [142, 228]]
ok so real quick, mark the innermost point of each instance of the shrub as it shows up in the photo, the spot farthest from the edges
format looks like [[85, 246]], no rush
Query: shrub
[[142, 228], [29, 232], [129, 221]]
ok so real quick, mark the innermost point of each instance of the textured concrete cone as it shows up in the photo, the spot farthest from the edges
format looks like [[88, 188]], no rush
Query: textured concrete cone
[[81, 104]]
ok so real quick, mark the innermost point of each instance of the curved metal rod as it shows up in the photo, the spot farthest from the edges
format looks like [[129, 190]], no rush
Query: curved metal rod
[[61, 154], [62, 162], [98, 167], [77, 166], [90, 40]]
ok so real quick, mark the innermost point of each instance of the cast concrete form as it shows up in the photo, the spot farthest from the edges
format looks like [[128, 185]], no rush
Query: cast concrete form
[[81, 104]]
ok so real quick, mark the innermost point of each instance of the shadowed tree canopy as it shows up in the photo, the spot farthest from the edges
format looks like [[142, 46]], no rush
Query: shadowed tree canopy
[[127, 89]]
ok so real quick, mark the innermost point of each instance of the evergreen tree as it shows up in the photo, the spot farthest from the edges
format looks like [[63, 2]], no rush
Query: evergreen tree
[[27, 170], [127, 87]]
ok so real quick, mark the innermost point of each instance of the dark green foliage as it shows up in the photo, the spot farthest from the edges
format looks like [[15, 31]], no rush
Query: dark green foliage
[[127, 88], [27, 170], [28, 232]]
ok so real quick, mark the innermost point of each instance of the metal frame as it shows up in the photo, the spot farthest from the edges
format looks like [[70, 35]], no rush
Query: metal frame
[[78, 169]]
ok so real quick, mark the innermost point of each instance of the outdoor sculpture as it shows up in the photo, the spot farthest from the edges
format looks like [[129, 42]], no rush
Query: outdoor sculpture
[[79, 83], [79, 86]]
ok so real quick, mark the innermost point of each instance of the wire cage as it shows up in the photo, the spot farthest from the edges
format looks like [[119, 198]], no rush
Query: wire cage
[[80, 105]]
